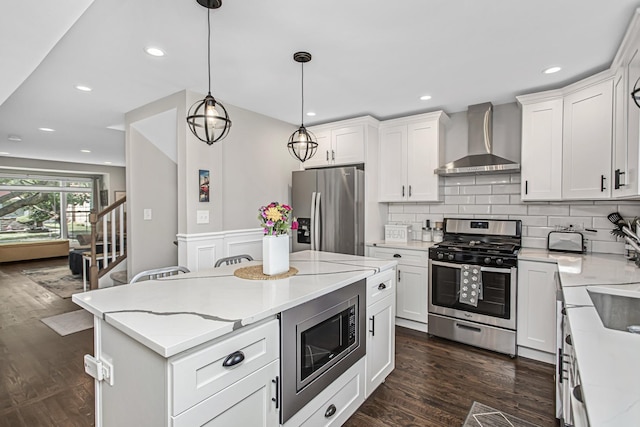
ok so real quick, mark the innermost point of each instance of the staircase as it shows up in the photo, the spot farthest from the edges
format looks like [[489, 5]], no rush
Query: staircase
[[109, 228]]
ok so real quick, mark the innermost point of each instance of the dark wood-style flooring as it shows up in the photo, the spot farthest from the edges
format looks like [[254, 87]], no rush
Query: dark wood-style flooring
[[42, 380]]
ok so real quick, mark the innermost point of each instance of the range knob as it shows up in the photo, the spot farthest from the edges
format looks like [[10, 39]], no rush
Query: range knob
[[487, 260], [499, 261], [440, 255], [451, 257]]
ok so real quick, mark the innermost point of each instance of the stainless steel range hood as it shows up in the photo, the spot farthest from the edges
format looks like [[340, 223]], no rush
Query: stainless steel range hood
[[480, 158]]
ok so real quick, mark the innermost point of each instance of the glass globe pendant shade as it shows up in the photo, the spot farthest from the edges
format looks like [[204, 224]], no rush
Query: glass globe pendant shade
[[302, 144], [208, 120]]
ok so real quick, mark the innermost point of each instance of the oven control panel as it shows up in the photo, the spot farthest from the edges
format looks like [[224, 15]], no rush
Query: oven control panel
[[464, 257]]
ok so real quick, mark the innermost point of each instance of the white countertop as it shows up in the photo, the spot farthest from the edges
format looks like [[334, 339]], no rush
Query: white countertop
[[608, 360], [181, 312]]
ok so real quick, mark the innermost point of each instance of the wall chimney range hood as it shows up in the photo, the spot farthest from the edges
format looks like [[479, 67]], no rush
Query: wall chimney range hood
[[480, 158]]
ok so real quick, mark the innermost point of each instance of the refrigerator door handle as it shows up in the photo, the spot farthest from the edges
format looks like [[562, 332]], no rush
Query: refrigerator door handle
[[313, 221], [316, 225]]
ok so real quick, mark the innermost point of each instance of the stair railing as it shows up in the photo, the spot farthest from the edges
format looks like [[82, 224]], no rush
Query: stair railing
[[112, 221]]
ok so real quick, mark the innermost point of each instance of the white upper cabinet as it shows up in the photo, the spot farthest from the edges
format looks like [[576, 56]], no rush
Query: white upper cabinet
[[587, 142], [341, 143], [410, 149], [541, 163]]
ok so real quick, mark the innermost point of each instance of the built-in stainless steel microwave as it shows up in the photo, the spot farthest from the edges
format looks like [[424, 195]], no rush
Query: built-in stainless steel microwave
[[320, 340]]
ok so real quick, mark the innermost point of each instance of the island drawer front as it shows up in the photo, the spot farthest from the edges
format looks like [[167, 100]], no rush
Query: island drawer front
[[380, 285], [348, 395], [201, 374], [417, 258], [247, 402]]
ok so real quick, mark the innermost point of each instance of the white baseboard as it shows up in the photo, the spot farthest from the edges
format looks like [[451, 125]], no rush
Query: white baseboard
[[416, 326], [540, 356]]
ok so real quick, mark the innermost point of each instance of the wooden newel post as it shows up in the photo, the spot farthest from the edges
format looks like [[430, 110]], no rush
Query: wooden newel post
[[93, 268]]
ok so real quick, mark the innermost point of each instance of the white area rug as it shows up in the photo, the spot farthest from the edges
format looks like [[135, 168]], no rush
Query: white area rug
[[68, 323]]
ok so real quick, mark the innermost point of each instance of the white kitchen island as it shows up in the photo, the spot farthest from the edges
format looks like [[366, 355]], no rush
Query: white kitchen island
[[158, 343]]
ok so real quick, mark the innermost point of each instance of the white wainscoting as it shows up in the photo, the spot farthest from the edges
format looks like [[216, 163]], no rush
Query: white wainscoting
[[201, 250]]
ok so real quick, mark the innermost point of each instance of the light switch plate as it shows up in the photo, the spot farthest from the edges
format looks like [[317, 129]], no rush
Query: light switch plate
[[202, 217], [147, 215]]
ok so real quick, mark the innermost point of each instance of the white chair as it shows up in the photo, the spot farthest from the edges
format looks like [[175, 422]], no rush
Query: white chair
[[158, 273], [235, 259]]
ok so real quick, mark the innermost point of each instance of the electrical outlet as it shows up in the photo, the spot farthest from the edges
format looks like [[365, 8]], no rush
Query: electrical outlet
[[147, 215]]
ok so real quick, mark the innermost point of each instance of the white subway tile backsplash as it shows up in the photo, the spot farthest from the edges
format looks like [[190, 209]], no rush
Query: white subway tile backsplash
[[501, 199], [452, 191], [548, 210], [459, 200], [498, 197], [416, 208], [396, 208], [444, 209], [493, 179], [608, 247], [509, 209], [505, 188], [589, 210], [475, 189], [534, 242], [460, 180], [474, 209], [577, 222]]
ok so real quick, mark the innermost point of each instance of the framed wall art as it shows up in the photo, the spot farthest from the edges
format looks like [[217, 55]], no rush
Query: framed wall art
[[203, 181]]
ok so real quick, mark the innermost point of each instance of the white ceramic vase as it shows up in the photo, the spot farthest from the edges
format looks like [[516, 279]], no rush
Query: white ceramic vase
[[275, 254]]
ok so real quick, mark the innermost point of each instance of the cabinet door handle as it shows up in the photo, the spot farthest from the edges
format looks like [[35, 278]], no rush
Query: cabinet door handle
[[409, 190], [233, 359], [382, 286], [373, 326], [327, 155], [602, 187], [526, 187], [403, 191], [330, 411], [277, 398], [617, 183], [398, 276], [333, 155], [559, 365]]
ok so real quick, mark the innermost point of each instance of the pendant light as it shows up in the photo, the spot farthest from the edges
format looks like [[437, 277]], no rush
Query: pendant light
[[208, 120], [302, 143]]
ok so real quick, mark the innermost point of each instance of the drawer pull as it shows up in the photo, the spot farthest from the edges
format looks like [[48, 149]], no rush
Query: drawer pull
[[382, 286], [568, 340], [233, 359], [397, 256], [330, 411], [577, 393]]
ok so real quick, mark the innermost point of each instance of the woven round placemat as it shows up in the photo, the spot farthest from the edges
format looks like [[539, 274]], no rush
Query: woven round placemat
[[254, 272]]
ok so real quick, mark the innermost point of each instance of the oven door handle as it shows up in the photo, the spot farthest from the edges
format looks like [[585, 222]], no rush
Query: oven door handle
[[496, 270]]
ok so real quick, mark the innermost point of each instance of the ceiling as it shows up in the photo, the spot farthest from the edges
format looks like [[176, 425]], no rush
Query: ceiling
[[369, 57]]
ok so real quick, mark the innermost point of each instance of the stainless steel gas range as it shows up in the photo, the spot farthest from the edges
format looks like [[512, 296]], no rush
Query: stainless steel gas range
[[473, 283]]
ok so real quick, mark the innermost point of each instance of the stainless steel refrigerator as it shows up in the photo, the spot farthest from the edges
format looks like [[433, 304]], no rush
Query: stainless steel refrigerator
[[329, 205]]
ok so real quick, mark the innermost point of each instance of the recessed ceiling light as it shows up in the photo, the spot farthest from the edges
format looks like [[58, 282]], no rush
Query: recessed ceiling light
[[425, 97], [154, 51], [86, 151], [552, 70], [311, 114], [83, 88], [47, 129], [14, 138], [4, 153]]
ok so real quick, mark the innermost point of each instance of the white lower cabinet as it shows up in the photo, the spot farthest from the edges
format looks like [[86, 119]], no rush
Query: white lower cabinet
[[336, 403], [536, 314], [412, 281], [192, 388], [381, 337], [247, 402]]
